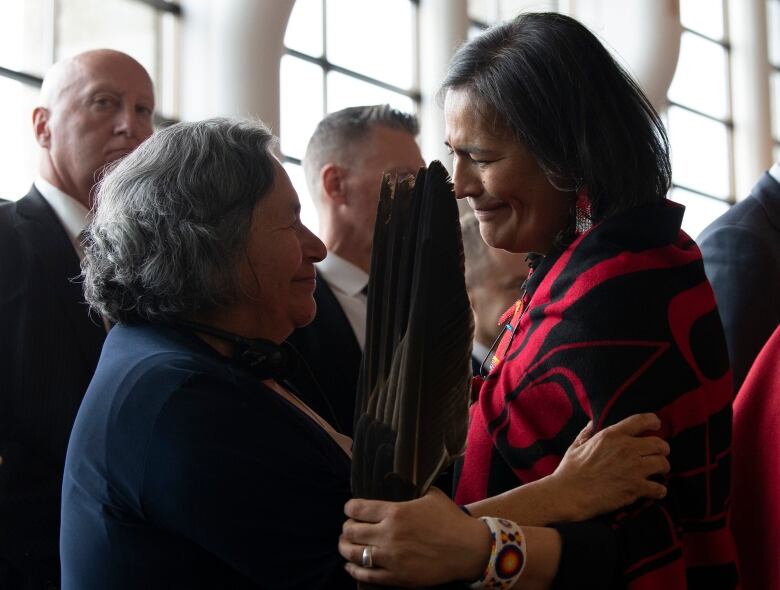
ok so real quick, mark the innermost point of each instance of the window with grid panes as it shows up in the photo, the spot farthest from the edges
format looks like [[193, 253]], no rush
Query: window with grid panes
[[699, 113], [773, 39], [36, 33], [341, 53], [485, 13], [698, 118]]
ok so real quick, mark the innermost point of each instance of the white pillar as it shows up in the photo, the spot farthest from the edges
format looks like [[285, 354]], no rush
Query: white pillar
[[645, 34], [444, 26], [750, 93], [231, 52]]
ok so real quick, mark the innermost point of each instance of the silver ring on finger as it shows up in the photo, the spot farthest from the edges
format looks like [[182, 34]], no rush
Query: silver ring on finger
[[368, 557]]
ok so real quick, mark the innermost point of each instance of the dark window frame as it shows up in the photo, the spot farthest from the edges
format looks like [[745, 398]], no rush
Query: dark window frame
[[328, 66], [162, 6], [728, 122]]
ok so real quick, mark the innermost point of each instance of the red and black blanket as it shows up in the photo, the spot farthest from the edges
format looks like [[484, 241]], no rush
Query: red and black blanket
[[621, 321]]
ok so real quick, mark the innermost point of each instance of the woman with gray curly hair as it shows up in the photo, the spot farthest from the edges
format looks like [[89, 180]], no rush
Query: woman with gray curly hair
[[190, 464]]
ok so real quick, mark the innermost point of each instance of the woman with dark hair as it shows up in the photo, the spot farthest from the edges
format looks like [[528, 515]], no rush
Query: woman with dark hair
[[191, 463], [559, 153]]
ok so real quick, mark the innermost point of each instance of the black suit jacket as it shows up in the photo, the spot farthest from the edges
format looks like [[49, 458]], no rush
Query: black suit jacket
[[48, 351], [329, 347], [741, 251]]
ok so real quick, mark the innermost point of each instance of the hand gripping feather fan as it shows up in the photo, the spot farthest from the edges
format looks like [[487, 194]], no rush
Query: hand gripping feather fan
[[412, 402]]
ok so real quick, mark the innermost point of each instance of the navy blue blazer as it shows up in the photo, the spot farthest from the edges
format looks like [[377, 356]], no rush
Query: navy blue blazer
[[185, 471], [48, 351], [741, 251], [329, 347]]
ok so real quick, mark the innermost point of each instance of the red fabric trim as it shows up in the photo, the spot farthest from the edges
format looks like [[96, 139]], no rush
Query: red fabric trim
[[756, 471]]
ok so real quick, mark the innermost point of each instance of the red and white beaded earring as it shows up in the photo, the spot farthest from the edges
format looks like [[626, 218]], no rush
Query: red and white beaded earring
[[583, 220]]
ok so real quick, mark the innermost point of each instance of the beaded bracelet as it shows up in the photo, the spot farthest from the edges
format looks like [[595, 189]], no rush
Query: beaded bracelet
[[507, 555]]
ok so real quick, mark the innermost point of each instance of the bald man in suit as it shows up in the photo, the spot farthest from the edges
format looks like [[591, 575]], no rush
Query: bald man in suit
[[94, 108]]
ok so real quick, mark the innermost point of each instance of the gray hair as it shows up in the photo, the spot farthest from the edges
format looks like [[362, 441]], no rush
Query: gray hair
[[173, 218], [338, 135]]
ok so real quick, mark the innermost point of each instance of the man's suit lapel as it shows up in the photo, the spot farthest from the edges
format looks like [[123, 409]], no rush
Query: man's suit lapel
[[333, 354], [59, 265], [330, 311]]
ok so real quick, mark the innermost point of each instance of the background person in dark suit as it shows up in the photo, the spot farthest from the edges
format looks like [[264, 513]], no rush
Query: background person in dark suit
[[95, 108], [344, 162], [741, 251]]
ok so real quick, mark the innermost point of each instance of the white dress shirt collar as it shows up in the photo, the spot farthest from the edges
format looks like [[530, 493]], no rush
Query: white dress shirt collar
[[774, 171], [347, 282], [72, 214], [343, 275]]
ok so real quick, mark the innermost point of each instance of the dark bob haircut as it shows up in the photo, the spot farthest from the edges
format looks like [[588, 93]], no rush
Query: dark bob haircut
[[173, 218], [549, 80]]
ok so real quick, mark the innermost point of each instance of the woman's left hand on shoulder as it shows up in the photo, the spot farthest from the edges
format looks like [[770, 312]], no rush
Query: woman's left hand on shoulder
[[612, 468]]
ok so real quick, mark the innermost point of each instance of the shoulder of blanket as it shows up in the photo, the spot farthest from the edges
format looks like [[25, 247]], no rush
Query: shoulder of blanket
[[641, 239]]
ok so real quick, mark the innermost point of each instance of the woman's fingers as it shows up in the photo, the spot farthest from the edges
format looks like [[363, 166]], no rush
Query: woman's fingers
[[367, 510], [651, 489], [348, 549], [610, 469], [360, 532], [584, 435], [636, 424], [376, 576], [422, 542], [655, 465], [353, 552], [651, 445]]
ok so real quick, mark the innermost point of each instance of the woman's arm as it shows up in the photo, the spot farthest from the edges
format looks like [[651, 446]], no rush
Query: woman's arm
[[598, 474], [431, 540]]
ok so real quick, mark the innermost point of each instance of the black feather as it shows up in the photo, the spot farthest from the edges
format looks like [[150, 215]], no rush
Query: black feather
[[413, 390]]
